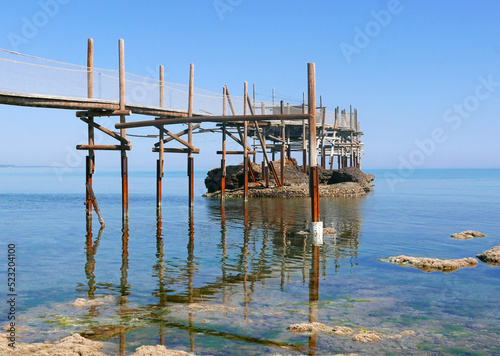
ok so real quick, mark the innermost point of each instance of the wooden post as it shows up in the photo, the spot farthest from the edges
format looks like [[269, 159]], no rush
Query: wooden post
[[160, 162], [323, 149], [223, 160], [90, 157], [316, 228], [304, 134], [282, 160], [124, 162], [245, 137], [190, 138], [265, 168]]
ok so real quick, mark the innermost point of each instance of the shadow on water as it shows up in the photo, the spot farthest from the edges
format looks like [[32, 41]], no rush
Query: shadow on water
[[214, 293]]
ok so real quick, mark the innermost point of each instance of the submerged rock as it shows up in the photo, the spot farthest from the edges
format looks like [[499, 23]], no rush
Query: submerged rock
[[467, 235], [210, 307], [373, 336], [491, 256], [401, 334], [342, 330], [433, 264], [158, 350], [82, 302], [329, 231], [370, 336], [310, 327]]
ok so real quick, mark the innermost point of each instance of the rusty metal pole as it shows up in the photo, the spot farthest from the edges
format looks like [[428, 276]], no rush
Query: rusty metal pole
[[190, 138], [245, 138], [223, 160], [124, 162], [316, 225], [89, 170], [160, 161]]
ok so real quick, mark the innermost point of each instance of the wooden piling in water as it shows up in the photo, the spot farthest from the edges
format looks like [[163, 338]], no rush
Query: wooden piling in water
[[223, 160], [313, 156], [245, 138], [161, 153], [282, 156], [124, 160], [90, 159], [190, 138], [304, 135]]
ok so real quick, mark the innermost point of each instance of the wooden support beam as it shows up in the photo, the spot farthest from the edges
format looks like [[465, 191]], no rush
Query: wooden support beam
[[176, 150], [99, 113], [90, 192], [104, 147], [230, 119], [235, 152], [178, 134], [230, 102], [175, 137], [105, 130]]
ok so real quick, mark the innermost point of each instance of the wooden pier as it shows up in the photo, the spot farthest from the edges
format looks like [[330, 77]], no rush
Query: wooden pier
[[275, 129]]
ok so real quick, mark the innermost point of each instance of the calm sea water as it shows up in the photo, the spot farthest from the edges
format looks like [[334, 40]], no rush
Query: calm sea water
[[228, 279]]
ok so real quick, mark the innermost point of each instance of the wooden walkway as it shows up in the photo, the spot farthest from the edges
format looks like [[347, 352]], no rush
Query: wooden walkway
[[285, 130]]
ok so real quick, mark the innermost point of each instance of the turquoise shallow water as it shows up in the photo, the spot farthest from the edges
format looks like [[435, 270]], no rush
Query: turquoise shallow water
[[230, 278]]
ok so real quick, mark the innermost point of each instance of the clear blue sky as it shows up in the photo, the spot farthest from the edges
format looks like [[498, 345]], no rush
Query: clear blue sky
[[424, 75]]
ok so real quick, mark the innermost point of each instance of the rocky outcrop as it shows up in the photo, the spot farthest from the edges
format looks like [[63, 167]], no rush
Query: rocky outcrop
[[433, 264], [467, 235], [348, 174], [234, 177], [491, 256], [343, 182]]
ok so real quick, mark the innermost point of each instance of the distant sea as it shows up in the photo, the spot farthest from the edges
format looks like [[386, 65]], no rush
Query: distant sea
[[229, 278]]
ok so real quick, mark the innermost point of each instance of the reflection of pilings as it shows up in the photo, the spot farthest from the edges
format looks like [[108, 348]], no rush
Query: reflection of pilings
[[224, 250], [91, 248], [190, 270], [124, 287], [160, 270], [313, 296], [244, 253]]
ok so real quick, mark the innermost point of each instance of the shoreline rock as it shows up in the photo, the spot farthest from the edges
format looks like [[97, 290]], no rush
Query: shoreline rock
[[491, 256], [433, 264], [77, 345]]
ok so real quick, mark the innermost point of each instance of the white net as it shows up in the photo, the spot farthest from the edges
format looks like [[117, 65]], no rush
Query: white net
[[24, 74]]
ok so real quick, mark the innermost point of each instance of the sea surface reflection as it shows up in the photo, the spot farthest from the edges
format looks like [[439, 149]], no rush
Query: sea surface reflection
[[235, 277]]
